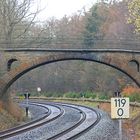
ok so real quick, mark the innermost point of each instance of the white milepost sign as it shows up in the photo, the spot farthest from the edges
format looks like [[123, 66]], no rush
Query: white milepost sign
[[119, 108]]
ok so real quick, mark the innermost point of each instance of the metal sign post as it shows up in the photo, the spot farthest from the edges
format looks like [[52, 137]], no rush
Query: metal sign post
[[120, 129], [39, 91], [27, 104], [119, 110], [27, 95]]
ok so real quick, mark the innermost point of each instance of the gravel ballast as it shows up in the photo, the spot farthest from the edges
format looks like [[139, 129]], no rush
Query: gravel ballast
[[106, 129], [70, 117]]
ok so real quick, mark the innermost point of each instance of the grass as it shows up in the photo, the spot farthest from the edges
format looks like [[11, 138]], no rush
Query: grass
[[134, 112], [86, 103]]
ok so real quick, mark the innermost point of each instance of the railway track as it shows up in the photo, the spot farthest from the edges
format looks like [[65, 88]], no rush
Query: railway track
[[56, 112], [53, 113], [89, 118]]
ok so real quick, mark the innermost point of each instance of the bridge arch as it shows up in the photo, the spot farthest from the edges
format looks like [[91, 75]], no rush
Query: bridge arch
[[13, 75], [10, 62], [135, 63]]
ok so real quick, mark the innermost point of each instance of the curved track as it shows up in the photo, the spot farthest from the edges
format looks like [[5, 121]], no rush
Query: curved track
[[87, 119], [53, 113]]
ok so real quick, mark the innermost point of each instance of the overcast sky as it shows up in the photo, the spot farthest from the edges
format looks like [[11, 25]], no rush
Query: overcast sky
[[59, 8]]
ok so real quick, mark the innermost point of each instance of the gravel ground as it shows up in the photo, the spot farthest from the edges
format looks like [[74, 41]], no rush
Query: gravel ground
[[106, 129], [70, 117], [35, 112]]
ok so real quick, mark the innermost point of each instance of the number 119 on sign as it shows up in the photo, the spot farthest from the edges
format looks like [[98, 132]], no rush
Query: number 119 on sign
[[119, 107]]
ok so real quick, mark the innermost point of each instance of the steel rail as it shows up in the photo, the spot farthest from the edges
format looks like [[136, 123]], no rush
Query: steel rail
[[77, 124], [82, 119], [31, 125], [88, 128], [63, 133]]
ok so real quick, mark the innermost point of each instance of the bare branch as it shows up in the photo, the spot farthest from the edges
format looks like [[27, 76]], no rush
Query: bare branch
[[13, 13]]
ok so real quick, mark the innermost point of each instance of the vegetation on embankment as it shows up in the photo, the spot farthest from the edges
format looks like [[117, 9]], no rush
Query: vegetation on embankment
[[10, 114], [132, 92]]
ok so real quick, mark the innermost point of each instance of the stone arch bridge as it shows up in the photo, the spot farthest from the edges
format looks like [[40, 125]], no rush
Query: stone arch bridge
[[126, 61]]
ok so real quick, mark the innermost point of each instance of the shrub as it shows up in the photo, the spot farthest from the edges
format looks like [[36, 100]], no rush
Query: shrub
[[129, 90], [134, 97], [72, 95], [103, 97], [81, 94], [52, 94], [89, 94]]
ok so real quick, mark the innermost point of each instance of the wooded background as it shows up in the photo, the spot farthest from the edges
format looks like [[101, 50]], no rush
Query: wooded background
[[108, 24]]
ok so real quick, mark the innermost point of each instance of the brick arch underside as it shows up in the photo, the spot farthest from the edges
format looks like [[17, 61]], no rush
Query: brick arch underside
[[48, 60]]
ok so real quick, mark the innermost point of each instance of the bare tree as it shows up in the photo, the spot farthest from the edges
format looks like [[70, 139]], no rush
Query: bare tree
[[16, 21]]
